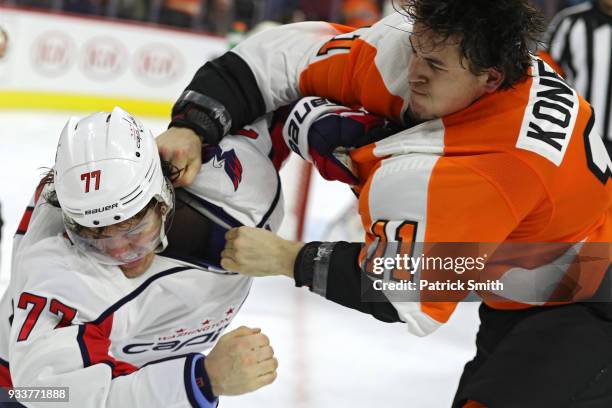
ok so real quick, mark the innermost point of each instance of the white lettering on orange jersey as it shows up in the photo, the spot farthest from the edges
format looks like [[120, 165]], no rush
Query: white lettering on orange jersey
[[550, 116], [497, 171], [463, 179]]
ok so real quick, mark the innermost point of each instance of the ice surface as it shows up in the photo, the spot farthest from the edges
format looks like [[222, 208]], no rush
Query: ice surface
[[329, 356]]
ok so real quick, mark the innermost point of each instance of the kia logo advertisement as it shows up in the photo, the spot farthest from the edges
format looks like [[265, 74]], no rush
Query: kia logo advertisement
[[52, 53], [103, 58], [158, 64]]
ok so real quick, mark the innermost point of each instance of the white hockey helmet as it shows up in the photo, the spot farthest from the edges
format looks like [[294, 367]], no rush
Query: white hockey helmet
[[107, 169]]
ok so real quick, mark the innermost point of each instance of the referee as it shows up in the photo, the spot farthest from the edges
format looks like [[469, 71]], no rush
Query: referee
[[580, 44]]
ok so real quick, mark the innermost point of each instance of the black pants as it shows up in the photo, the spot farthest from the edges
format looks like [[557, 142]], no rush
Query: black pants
[[544, 357]]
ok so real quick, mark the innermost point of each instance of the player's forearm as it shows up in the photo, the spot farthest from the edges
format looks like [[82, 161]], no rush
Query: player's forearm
[[331, 269], [230, 81], [258, 76], [78, 357], [171, 382]]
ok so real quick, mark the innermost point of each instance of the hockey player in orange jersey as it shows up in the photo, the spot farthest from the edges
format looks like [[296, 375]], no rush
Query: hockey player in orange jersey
[[503, 152]]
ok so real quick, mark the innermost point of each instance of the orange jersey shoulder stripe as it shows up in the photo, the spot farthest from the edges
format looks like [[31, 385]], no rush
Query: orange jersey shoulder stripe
[[352, 78]]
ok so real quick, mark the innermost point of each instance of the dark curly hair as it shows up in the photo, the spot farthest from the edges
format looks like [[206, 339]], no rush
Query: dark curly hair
[[493, 33]]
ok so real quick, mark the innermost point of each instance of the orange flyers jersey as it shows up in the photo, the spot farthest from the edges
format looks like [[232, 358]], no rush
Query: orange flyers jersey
[[360, 67], [523, 165]]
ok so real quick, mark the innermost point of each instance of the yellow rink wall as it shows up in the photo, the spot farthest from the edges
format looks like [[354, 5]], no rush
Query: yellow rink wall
[[22, 100], [72, 63]]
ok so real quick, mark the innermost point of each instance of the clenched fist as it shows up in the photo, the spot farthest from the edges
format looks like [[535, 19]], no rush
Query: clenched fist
[[241, 361], [183, 149], [258, 252]]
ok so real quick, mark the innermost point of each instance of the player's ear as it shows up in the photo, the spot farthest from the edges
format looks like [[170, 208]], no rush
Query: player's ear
[[493, 79], [163, 209]]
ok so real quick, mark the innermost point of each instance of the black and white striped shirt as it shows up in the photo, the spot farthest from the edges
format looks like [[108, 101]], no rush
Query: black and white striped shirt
[[581, 43]]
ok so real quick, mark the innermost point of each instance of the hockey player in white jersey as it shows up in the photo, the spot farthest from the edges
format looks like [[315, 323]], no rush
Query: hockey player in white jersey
[[100, 303]]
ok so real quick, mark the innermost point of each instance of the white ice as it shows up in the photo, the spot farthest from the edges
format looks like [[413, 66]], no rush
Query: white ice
[[329, 356]]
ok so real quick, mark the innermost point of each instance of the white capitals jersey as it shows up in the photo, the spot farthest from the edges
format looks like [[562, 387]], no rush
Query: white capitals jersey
[[69, 321]]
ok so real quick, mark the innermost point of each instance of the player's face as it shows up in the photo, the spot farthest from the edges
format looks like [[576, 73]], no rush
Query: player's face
[[440, 80], [131, 243], [135, 269], [137, 240]]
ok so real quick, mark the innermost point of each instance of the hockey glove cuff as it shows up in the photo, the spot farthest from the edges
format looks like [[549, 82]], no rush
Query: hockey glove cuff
[[207, 117], [202, 388]]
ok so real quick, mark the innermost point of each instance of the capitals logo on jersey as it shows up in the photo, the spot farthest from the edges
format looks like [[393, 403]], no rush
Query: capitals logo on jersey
[[228, 160]]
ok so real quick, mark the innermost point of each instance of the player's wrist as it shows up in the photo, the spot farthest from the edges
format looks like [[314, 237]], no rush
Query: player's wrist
[[203, 380], [198, 121], [291, 251], [312, 266], [182, 132], [207, 117]]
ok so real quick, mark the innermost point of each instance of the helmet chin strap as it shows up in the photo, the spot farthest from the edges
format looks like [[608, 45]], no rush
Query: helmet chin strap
[[168, 200], [164, 241]]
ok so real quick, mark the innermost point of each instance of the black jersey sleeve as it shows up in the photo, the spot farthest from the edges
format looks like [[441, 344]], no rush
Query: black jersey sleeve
[[331, 269]]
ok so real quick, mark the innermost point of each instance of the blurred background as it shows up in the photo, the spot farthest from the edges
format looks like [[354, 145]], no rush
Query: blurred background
[[61, 58], [221, 17]]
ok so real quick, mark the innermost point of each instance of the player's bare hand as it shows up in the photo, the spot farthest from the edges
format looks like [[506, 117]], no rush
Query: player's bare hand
[[259, 252], [181, 147], [241, 361]]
